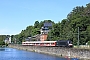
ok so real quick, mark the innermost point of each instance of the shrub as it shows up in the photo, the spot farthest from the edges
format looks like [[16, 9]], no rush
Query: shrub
[[88, 42]]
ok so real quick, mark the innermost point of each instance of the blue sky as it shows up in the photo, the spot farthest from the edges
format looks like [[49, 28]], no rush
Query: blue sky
[[16, 15]]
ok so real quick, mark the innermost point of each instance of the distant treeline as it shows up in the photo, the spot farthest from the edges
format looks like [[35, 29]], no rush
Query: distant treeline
[[67, 29], [2, 38]]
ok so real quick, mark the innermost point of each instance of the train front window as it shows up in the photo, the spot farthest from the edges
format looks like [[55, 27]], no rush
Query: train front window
[[69, 42]]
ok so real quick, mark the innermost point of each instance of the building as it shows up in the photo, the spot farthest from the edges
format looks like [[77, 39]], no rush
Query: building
[[39, 37], [43, 37], [33, 38], [7, 40], [44, 33]]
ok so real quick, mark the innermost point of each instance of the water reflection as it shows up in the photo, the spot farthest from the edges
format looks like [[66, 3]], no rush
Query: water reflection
[[2, 49], [14, 54]]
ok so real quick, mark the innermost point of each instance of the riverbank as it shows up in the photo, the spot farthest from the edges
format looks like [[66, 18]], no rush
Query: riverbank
[[56, 51], [3, 46]]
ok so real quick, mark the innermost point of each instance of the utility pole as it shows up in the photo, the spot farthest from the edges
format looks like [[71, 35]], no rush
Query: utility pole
[[78, 37]]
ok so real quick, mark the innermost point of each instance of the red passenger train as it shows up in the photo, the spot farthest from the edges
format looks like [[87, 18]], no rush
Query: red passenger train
[[61, 43], [39, 43]]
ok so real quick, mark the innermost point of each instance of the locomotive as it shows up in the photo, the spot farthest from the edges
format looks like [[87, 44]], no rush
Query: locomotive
[[60, 43], [64, 43]]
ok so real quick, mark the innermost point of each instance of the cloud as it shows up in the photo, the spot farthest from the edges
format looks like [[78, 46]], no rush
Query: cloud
[[6, 31]]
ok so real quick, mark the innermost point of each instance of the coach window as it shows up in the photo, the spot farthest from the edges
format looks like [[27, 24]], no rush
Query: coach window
[[50, 43], [68, 42]]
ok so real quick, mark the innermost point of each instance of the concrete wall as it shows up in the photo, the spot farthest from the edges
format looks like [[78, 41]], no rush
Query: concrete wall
[[57, 51], [43, 37]]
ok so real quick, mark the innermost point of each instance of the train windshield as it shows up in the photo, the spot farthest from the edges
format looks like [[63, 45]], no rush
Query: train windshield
[[69, 42]]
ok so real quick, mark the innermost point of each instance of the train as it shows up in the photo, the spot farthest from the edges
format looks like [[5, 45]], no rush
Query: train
[[58, 43]]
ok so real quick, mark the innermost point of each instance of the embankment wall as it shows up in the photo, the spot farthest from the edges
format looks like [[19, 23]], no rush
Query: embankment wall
[[57, 51]]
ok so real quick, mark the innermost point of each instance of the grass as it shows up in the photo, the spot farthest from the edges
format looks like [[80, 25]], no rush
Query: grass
[[82, 47]]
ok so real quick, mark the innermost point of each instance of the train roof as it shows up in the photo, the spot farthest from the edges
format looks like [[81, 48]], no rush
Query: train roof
[[39, 42], [63, 40]]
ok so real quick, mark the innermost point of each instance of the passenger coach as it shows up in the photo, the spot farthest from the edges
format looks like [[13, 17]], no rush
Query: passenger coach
[[61, 43], [40, 43]]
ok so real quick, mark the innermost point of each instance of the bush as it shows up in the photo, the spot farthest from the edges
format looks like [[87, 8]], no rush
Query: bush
[[2, 43], [88, 42], [6, 44]]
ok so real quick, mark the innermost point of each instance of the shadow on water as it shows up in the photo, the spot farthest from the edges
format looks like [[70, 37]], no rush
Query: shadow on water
[[2, 49]]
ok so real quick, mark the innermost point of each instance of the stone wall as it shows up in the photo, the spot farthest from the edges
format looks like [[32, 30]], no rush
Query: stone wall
[[57, 51]]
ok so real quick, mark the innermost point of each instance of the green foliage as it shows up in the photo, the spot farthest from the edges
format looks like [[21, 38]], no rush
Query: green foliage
[[36, 25], [2, 38], [79, 17], [66, 29], [88, 42], [6, 44], [2, 43]]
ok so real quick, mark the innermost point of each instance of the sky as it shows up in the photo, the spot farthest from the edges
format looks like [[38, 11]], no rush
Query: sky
[[16, 15]]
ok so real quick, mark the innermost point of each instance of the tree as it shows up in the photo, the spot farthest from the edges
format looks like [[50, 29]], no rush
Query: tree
[[36, 24], [2, 43], [67, 29]]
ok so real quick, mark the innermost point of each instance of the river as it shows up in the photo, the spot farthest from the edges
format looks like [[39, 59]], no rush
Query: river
[[15, 54]]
